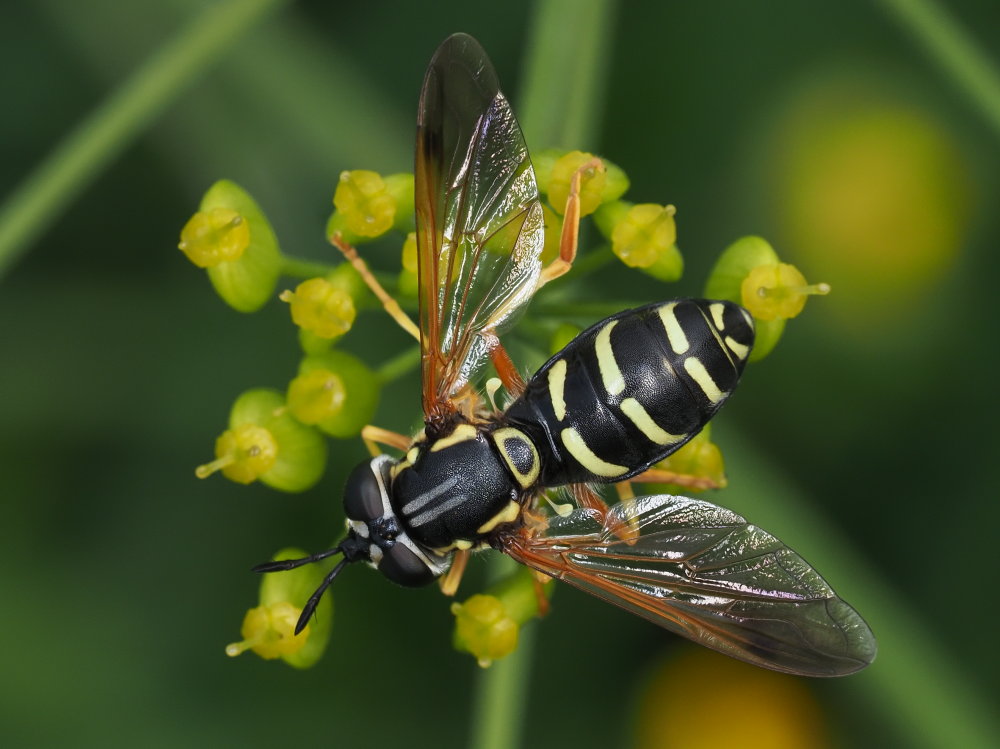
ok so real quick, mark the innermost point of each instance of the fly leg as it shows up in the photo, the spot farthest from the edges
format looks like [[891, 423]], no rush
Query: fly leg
[[570, 225], [391, 305], [375, 436], [509, 376], [450, 580], [660, 476]]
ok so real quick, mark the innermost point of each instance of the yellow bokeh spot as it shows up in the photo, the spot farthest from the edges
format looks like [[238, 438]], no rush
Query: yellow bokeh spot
[[703, 700], [365, 203], [873, 194], [215, 236], [483, 628], [321, 308], [269, 631], [592, 183], [316, 396], [646, 232]]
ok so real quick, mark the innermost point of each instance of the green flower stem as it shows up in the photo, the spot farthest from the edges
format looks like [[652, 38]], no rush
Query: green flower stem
[[101, 136], [954, 50], [399, 365], [501, 693], [301, 268], [565, 73]]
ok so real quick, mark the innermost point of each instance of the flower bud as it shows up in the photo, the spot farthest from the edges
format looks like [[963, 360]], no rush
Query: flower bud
[[592, 185], [321, 308], [749, 272], [335, 391], [645, 237], [401, 188], [487, 624], [365, 203], [264, 442], [232, 239], [269, 629]]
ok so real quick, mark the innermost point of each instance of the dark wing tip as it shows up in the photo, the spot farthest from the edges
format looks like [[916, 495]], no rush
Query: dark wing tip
[[459, 71]]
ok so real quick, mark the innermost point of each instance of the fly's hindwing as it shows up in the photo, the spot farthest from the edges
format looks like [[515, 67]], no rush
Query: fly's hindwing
[[633, 388]]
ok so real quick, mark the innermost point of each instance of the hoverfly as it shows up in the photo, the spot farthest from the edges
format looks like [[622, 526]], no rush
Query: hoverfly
[[621, 396]]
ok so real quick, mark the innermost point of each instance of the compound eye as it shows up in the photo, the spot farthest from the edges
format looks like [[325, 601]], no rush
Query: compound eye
[[363, 495], [402, 566]]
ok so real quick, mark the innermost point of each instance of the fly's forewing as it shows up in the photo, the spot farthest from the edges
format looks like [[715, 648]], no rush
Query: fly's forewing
[[479, 219], [705, 573]]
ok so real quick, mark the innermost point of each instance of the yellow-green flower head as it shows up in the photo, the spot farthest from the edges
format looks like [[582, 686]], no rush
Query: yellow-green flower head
[[264, 442], [645, 237], [321, 307], [316, 396], [365, 203], [592, 185], [483, 628], [750, 273], [777, 291], [269, 631], [336, 392], [214, 236], [231, 238]]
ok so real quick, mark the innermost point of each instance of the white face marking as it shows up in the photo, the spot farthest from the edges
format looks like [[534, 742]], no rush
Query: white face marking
[[737, 348], [461, 433], [717, 309], [557, 385], [675, 333], [507, 515], [640, 417], [611, 375], [699, 374], [585, 456], [358, 526]]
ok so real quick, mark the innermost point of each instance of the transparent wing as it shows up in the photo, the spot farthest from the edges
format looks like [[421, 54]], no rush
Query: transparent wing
[[479, 220], [705, 573]]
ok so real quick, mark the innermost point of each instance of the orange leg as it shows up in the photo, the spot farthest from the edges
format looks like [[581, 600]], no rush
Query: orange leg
[[505, 368], [570, 226], [375, 436], [391, 305], [451, 579], [659, 476]]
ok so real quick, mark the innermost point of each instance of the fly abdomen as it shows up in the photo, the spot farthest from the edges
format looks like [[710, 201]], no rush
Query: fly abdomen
[[633, 388]]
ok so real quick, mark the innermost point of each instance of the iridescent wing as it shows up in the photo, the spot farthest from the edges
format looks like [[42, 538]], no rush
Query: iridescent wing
[[705, 573], [479, 219]]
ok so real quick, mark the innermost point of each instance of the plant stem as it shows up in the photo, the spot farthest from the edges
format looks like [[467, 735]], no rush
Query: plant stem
[[565, 72], [301, 268], [948, 44], [565, 66], [102, 135], [399, 365], [501, 690]]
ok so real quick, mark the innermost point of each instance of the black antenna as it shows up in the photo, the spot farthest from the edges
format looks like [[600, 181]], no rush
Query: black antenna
[[289, 564], [345, 547], [313, 601]]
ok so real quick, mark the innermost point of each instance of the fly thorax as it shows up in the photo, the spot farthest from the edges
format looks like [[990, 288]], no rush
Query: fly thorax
[[452, 491]]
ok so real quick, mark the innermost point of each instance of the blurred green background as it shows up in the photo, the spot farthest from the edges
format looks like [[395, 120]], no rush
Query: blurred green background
[[866, 441]]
